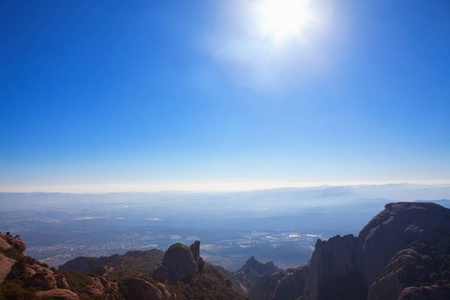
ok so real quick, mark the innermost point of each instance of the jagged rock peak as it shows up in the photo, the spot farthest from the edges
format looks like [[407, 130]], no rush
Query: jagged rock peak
[[267, 268], [195, 249]]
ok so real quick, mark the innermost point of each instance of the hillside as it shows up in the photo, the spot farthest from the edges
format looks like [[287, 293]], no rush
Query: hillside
[[135, 275], [116, 266], [402, 253]]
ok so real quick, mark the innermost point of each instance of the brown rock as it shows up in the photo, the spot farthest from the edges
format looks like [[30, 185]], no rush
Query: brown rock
[[99, 286], [164, 291], [38, 276], [17, 243], [3, 243], [58, 294], [6, 264], [61, 281], [143, 290], [161, 274], [424, 293]]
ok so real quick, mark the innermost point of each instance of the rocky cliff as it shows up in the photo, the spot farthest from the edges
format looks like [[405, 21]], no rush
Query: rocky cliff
[[402, 253], [283, 285], [370, 265]]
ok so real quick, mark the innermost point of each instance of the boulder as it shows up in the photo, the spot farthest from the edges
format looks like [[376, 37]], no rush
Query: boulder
[[17, 243], [58, 294], [39, 276], [143, 290], [180, 262]]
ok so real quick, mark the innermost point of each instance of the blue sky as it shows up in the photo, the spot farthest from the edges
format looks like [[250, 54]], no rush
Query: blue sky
[[148, 95]]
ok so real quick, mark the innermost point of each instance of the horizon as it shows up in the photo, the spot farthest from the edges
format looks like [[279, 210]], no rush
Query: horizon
[[205, 189], [222, 95]]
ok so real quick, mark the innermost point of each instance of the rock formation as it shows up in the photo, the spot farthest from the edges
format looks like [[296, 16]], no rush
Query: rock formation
[[283, 285], [141, 289], [58, 294], [182, 262], [402, 253], [250, 271], [6, 264], [346, 267], [24, 274]]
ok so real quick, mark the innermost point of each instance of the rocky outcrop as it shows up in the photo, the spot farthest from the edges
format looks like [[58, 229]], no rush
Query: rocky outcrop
[[292, 285], [58, 294], [334, 267], [3, 243], [345, 267], [141, 289], [99, 286], [394, 228], [390, 283], [7, 241], [284, 285], [39, 276], [180, 262], [195, 250], [424, 293], [6, 264]]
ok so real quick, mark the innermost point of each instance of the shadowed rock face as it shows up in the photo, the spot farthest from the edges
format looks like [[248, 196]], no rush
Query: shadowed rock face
[[249, 272], [284, 285], [181, 262], [144, 290], [343, 264], [397, 226]]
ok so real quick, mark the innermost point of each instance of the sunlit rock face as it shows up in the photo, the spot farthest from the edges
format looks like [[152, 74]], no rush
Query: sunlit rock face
[[7, 241]]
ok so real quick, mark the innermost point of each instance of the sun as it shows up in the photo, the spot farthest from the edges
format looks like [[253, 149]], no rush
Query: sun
[[282, 19]]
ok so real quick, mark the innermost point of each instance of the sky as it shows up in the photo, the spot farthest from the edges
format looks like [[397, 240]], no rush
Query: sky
[[100, 96]]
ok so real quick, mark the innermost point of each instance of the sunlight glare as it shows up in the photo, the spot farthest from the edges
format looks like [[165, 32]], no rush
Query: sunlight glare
[[283, 19]]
